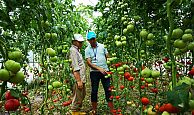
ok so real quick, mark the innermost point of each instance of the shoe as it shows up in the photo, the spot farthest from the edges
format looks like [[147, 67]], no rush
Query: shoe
[[78, 113], [93, 112], [82, 113]]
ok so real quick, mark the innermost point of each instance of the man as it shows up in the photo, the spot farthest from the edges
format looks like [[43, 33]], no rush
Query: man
[[78, 71], [96, 55]]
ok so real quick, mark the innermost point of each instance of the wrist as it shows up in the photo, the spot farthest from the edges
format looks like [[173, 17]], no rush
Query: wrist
[[78, 81], [99, 68]]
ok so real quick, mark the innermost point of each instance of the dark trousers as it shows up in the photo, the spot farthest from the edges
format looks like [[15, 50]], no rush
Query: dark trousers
[[95, 77]]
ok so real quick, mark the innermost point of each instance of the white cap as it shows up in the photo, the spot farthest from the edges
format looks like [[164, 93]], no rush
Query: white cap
[[78, 37]]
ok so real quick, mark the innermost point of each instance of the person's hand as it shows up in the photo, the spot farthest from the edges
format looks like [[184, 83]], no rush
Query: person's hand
[[103, 71], [79, 84]]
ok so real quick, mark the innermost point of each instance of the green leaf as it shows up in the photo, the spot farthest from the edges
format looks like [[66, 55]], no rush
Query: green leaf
[[24, 100], [3, 16], [15, 93], [183, 86], [173, 98], [179, 94], [2, 51]]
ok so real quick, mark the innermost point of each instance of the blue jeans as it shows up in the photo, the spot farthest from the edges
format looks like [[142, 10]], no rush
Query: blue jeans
[[95, 77]]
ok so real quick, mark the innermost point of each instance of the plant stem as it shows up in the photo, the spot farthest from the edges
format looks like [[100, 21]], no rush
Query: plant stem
[[169, 47], [3, 89]]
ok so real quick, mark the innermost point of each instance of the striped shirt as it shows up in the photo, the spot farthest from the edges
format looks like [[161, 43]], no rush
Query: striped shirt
[[78, 62]]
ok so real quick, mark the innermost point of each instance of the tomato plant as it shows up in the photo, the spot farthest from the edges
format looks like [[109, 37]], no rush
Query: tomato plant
[[150, 44]]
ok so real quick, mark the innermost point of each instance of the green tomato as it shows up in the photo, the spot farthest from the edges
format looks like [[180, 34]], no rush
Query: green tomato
[[188, 31], [124, 43], [149, 80], [177, 33], [120, 69], [191, 46], [51, 52], [54, 35], [12, 66], [150, 112], [150, 36], [4, 75], [143, 33], [125, 31], [50, 87], [56, 84], [191, 104], [19, 77], [53, 59], [116, 37], [137, 18], [146, 72], [108, 62], [123, 38], [47, 35], [106, 76], [149, 42], [118, 43], [68, 90], [187, 37], [130, 27], [155, 73], [165, 113], [179, 44]]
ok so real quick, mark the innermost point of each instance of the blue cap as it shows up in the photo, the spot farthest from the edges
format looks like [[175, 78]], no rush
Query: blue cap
[[91, 35]]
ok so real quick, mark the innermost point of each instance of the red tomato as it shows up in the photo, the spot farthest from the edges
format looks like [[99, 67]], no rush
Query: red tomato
[[8, 95], [114, 111], [135, 69], [27, 109], [112, 87], [170, 108], [159, 62], [145, 101], [131, 78], [191, 72], [157, 107], [111, 97], [165, 59], [66, 103], [143, 87], [189, 62], [55, 100], [119, 110], [118, 64], [162, 108], [132, 87], [117, 97], [143, 67], [154, 90], [192, 112], [11, 105], [109, 72], [146, 84], [142, 79], [122, 87], [69, 102], [127, 75]]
